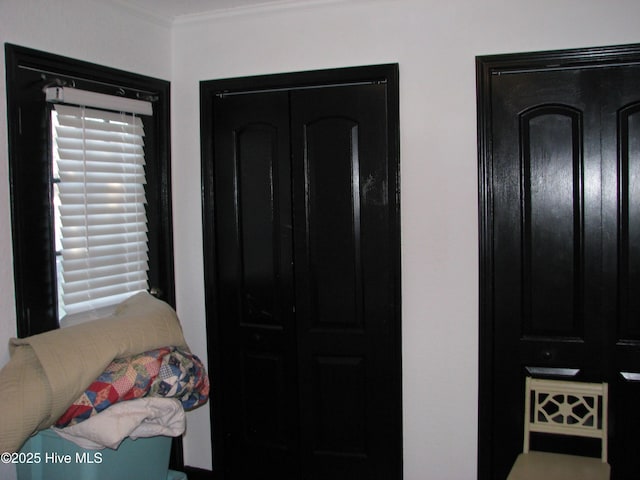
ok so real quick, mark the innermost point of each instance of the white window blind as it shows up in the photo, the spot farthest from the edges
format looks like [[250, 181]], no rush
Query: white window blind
[[100, 200]]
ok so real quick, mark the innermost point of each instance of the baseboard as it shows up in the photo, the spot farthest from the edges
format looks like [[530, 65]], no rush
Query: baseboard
[[194, 473]]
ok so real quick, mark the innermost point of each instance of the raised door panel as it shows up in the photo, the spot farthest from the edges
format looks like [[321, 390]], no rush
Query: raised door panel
[[263, 399], [256, 172], [332, 205], [552, 221], [629, 254], [339, 385]]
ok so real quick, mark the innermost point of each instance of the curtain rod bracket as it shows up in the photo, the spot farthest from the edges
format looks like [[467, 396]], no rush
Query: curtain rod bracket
[[56, 82], [147, 97]]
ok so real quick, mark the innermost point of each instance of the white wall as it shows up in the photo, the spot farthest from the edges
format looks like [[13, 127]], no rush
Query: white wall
[[435, 44]]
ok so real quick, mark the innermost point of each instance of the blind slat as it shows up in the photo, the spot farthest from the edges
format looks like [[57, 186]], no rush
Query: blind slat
[[105, 177], [126, 168], [76, 210], [87, 145], [96, 230], [127, 134], [82, 302], [98, 156], [97, 262], [111, 188], [97, 303], [75, 123], [94, 220], [104, 251], [91, 115], [100, 198], [102, 282], [109, 270], [98, 240]]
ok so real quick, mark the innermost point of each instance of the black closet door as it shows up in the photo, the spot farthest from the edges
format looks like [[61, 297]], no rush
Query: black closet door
[[561, 267], [253, 220], [306, 332], [546, 239], [302, 274], [620, 114], [344, 256]]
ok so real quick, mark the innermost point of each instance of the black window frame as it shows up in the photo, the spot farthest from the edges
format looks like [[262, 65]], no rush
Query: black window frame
[[28, 71]]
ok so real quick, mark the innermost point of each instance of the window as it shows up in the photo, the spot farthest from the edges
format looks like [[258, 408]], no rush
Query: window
[[37, 131], [99, 207]]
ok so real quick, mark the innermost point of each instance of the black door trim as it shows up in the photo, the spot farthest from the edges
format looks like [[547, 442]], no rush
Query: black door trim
[[209, 89], [486, 67]]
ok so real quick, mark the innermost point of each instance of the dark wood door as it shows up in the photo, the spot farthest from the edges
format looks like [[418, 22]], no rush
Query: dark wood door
[[345, 289], [307, 358], [253, 265], [621, 259], [559, 218]]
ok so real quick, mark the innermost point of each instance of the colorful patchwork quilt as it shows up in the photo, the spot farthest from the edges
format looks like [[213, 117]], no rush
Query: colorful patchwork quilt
[[166, 372]]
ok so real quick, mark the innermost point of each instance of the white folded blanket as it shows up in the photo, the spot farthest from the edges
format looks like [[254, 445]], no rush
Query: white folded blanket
[[140, 418]]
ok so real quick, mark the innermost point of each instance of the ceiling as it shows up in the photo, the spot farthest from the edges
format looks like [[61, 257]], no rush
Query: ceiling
[[169, 10]]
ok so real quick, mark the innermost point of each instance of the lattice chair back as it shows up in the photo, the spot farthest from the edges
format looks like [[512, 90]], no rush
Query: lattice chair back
[[566, 408]]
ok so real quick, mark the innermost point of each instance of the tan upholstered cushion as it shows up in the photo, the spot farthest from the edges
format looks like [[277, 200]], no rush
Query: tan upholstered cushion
[[555, 466]]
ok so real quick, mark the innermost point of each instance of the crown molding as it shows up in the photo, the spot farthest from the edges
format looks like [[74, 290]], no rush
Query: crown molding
[[143, 14], [267, 7], [203, 17]]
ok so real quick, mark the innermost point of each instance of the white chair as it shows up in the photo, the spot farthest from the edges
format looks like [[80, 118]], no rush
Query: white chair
[[564, 408]]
